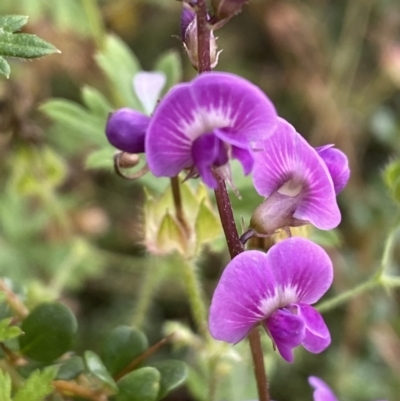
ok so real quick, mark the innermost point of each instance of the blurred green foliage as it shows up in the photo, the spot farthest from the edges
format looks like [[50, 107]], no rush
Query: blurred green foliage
[[70, 229]]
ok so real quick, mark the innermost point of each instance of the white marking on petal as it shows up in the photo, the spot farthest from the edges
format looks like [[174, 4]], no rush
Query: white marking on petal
[[148, 87], [291, 188], [281, 298], [202, 121]]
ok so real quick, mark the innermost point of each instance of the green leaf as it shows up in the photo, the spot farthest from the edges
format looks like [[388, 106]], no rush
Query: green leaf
[[208, 226], [122, 346], [96, 102], [4, 67], [173, 374], [140, 385], [37, 386], [120, 65], [12, 23], [50, 331], [97, 369], [5, 386], [24, 45], [170, 64], [171, 235], [7, 331], [78, 119], [71, 368], [391, 176], [101, 159]]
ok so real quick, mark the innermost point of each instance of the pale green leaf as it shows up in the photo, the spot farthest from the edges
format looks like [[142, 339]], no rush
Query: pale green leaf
[[37, 386], [7, 331], [170, 64], [77, 118], [4, 67], [101, 159], [24, 45], [96, 102], [12, 23], [5, 386], [96, 368], [120, 65]]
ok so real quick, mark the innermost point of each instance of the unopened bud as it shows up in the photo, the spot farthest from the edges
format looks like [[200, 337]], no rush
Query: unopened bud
[[224, 10], [190, 42], [126, 130], [128, 160], [274, 213]]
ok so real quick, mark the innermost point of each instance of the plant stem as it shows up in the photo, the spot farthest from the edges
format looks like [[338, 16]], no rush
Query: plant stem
[[149, 284], [13, 301], [68, 387], [224, 204], [196, 299], [176, 194]]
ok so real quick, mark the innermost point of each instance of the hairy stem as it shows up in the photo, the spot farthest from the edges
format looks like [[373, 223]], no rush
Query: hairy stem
[[224, 204], [13, 301]]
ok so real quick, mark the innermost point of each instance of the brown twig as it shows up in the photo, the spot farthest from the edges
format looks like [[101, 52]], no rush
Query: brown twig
[[13, 301], [72, 388]]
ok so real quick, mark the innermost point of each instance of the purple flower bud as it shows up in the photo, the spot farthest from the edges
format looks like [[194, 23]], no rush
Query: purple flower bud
[[187, 17], [126, 130]]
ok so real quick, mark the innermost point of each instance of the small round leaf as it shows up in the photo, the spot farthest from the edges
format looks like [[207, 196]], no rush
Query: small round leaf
[[96, 368], [140, 385], [71, 368], [50, 331], [173, 374], [121, 346]]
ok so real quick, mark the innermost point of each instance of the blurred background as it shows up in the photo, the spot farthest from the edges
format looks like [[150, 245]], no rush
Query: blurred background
[[72, 229]]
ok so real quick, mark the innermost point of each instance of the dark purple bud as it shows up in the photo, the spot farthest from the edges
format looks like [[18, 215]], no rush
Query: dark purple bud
[[224, 10], [126, 130]]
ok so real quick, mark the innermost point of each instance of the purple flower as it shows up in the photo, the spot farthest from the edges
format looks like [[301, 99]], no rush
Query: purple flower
[[126, 128], [322, 391], [300, 182], [276, 290], [202, 124]]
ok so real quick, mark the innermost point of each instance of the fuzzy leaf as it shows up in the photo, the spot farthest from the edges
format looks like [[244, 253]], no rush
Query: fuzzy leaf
[[12, 23], [77, 118], [208, 226], [4, 67], [173, 374], [120, 65], [96, 102], [170, 64], [122, 346], [37, 386], [7, 331], [5, 386], [140, 385], [101, 159], [24, 45], [97, 369], [50, 330]]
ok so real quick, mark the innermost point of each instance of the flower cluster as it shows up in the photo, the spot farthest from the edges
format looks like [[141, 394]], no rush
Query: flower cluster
[[198, 127]]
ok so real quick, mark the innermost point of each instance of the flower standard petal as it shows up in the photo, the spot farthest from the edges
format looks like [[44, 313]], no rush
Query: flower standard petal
[[211, 101], [317, 337], [287, 331], [302, 270], [337, 164], [148, 87], [288, 157], [236, 303], [322, 392]]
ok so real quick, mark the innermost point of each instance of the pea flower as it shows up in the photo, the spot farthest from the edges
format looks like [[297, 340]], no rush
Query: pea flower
[[322, 391], [202, 124], [275, 290], [300, 182], [126, 128]]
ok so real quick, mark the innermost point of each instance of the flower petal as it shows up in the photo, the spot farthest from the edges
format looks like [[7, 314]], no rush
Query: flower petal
[[235, 307], [210, 101], [300, 268], [126, 129], [322, 392], [337, 164], [245, 158], [208, 151], [317, 337], [287, 330], [148, 87], [287, 156]]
